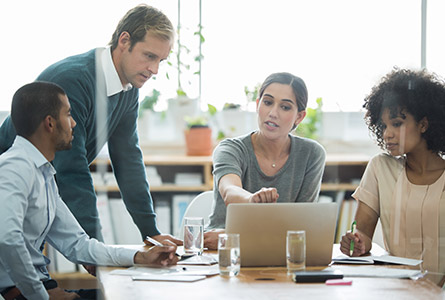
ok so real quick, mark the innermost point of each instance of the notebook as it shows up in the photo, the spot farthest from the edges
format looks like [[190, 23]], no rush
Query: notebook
[[371, 259], [263, 227]]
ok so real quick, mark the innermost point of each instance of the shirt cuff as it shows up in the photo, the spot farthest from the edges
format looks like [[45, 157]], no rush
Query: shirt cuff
[[126, 256]]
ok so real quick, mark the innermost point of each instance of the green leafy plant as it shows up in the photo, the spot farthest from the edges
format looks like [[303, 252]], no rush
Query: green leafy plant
[[228, 105], [196, 122], [212, 110], [252, 94], [201, 121], [310, 124], [149, 102]]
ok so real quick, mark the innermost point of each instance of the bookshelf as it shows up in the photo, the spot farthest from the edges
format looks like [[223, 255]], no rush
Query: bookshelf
[[341, 177], [174, 179], [168, 166], [342, 172]]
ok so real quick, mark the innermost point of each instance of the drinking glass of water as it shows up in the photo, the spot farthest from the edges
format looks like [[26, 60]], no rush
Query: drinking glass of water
[[194, 235], [296, 250], [229, 254]]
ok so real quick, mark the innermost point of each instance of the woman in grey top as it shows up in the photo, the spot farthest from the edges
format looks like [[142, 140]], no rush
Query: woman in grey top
[[269, 164]]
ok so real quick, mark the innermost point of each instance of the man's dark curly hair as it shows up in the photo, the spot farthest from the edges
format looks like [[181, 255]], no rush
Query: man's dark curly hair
[[420, 93]]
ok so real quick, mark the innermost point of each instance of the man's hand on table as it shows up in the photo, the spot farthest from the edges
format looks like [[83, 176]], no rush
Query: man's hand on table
[[158, 256], [162, 237]]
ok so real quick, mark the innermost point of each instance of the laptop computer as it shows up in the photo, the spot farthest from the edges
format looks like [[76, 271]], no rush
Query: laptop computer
[[263, 228]]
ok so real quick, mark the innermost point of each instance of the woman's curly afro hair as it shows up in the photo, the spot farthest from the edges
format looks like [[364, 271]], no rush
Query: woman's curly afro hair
[[420, 93]]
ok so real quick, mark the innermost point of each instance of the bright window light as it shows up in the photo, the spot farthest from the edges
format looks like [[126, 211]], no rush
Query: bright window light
[[340, 48]]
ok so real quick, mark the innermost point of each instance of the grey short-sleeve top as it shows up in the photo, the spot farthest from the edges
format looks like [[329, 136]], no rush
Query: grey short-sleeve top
[[298, 180]]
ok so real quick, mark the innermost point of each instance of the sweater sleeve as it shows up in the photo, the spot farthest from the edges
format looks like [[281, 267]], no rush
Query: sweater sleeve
[[7, 134], [129, 169]]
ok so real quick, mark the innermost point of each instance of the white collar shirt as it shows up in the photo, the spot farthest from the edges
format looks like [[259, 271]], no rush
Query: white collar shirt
[[112, 80], [31, 212]]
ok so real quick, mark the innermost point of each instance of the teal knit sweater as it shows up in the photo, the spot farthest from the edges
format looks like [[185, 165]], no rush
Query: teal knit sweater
[[76, 75]]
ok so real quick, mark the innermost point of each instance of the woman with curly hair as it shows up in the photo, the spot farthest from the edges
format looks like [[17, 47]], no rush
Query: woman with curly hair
[[405, 187]]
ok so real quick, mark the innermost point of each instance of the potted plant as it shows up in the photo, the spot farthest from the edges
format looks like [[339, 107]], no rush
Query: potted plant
[[146, 110], [235, 119], [149, 102], [251, 96], [198, 136]]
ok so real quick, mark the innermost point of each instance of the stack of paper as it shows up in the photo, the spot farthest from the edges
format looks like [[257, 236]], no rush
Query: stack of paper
[[188, 179], [205, 260], [152, 175]]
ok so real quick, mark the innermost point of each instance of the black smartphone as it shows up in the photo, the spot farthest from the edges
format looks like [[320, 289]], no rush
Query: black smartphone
[[316, 276]]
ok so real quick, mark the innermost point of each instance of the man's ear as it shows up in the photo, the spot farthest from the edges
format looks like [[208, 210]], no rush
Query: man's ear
[[124, 40], [49, 123]]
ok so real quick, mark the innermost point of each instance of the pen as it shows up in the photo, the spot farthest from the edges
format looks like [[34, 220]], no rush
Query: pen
[[351, 247], [156, 243], [153, 241]]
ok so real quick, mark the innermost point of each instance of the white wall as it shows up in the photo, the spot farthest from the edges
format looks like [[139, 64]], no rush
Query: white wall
[[346, 132]]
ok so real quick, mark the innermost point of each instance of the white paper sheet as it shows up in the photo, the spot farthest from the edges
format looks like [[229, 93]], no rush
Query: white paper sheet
[[205, 260], [169, 271], [168, 278]]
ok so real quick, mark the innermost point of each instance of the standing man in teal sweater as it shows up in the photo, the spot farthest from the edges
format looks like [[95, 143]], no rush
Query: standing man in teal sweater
[[102, 87]]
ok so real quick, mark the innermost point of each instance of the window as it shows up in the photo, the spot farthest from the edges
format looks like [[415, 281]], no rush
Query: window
[[435, 48], [340, 48]]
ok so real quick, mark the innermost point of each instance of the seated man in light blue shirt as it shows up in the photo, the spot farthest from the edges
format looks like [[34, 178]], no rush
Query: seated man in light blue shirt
[[31, 210]]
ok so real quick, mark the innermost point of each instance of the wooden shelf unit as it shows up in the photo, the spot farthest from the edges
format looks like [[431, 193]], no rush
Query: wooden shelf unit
[[342, 172], [201, 164], [341, 177], [161, 188]]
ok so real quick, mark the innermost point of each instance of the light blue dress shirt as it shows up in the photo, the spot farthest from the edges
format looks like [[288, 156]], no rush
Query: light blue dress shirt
[[32, 211]]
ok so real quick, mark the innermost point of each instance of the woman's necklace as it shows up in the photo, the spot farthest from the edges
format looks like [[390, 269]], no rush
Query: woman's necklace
[[273, 163]]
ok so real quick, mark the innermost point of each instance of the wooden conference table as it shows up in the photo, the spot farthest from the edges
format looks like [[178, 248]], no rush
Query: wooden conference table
[[265, 283]]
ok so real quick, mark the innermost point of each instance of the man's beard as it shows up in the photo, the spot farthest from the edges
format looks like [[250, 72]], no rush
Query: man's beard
[[62, 144]]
